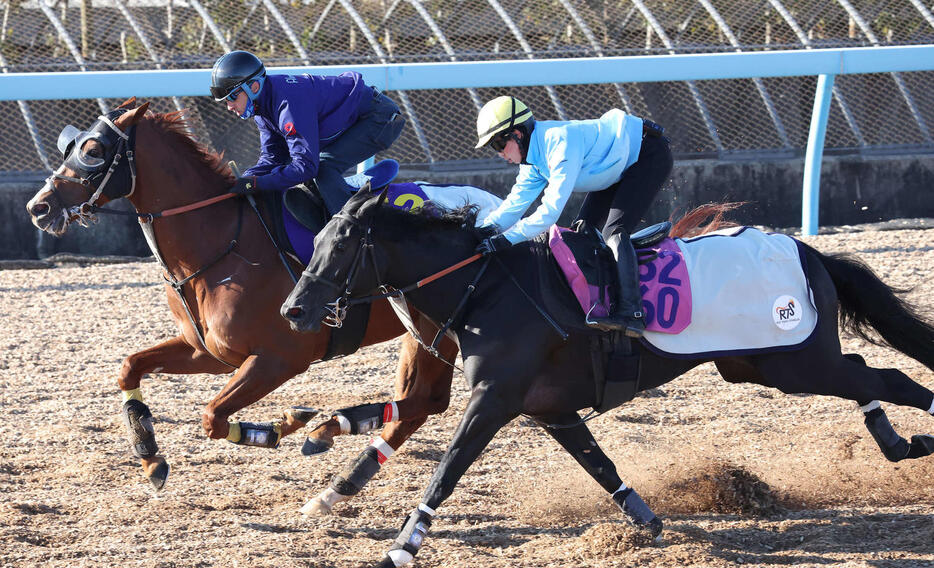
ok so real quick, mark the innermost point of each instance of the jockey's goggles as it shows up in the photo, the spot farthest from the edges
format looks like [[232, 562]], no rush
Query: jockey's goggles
[[219, 94], [498, 142]]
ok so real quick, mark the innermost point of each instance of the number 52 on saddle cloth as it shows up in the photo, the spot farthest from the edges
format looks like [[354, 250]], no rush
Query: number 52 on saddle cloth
[[733, 292]]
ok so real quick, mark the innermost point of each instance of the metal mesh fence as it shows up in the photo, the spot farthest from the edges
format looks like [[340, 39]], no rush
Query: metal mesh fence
[[767, 116]]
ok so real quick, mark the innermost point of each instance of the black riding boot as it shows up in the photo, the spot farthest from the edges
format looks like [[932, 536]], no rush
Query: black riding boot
[[627, 313]]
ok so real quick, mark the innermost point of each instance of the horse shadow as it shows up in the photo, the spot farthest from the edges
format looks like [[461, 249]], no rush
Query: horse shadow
[[797, 538], [818, 537]]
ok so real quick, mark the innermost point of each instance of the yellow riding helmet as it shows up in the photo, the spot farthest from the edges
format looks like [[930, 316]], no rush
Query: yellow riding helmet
[[500, 114]]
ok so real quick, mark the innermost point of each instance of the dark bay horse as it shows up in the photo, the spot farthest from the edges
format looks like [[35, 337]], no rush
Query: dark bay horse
[[232, 282], [515, 363]]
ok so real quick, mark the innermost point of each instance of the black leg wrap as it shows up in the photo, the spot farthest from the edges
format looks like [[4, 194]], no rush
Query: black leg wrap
[[893, 446], [259, 434], [637, 512], [138, 422], [921, 445], [362, 418], [413, 532], [351, 480]]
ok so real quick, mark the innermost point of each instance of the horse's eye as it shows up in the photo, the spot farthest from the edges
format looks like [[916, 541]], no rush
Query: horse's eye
[[92, 149], [340, 246]]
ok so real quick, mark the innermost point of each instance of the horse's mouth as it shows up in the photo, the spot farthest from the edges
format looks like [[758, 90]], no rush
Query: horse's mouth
[[305, 320], [52, 224]]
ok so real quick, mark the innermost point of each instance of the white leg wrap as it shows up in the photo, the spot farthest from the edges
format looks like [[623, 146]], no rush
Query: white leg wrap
[[344, 424], [400, 557], [622, 487], [393, 414], [426, 509], [383, 450], [870, 407], [931, 410]]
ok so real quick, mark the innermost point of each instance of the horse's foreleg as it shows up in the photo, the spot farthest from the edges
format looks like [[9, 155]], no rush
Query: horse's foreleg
[[423, 388], [257, 376], [580, 443], [486, 413], [174, 356]]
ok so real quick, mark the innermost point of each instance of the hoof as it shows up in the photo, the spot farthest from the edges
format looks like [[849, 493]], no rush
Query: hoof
[[654, 528], [302, 414], [386, 563], [921, 445], [312, 447], [315, 508], [158, 476]]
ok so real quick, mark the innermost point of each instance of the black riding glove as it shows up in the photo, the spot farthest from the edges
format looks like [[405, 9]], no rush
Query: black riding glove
[[245, 186], [493, 244]]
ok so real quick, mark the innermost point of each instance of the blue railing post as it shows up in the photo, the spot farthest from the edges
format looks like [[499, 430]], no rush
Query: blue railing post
[[810, 202]]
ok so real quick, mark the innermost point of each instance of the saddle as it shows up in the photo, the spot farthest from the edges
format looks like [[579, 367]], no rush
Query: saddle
[[577, 276]]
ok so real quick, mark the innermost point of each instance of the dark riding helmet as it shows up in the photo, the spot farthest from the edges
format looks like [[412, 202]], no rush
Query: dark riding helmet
[[232, 70]]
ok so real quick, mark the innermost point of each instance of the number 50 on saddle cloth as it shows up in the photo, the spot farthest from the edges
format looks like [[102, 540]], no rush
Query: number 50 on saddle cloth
[[732, 292]]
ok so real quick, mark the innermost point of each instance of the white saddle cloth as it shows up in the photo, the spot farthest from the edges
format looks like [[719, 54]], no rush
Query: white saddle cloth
[[455, 196], [749, 293]]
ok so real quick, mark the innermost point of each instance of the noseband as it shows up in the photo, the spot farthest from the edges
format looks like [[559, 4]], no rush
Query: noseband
[[117, 145]]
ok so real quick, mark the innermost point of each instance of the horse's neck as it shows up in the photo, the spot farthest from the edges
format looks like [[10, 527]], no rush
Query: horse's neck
[[170, 170], [422, 256], [168, 178]]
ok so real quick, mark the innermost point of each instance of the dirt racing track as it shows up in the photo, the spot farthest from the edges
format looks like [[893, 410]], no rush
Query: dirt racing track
[[742, 475]]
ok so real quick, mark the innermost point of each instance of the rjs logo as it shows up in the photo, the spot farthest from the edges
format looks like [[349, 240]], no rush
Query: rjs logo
[[786, 312]]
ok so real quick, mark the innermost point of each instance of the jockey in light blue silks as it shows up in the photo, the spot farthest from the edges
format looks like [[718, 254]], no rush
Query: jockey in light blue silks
[[620, 160], [310, 126]]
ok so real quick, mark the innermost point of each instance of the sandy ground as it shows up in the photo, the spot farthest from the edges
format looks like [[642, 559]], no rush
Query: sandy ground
[[742, 475]]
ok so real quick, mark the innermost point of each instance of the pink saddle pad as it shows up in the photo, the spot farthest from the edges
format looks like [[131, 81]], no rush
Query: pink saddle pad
[[664, 284], [666, 289]]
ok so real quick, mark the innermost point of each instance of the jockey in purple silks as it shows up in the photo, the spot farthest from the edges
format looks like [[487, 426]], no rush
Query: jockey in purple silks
[[310, 126]]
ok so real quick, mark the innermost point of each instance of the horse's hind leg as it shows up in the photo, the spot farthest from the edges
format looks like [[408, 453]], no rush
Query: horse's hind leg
[[580, 443], [423, 387], [894, 447], [174, 356], [847, 376]]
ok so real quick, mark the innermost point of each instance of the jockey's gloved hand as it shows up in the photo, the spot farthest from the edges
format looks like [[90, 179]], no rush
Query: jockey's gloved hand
[[245, 186], [493, 244]]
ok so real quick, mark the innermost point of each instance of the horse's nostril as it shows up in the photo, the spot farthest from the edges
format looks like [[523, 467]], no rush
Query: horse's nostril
[[39, 209], [294, 312]]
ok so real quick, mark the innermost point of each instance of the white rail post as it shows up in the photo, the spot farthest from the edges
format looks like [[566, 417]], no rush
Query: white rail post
[[812, 157]]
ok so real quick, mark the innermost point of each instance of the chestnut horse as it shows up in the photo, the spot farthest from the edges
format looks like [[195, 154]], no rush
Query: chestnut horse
[[225, 283]]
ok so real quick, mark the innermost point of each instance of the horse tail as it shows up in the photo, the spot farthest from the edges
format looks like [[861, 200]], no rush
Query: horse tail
[[689, 225], [867, 303]]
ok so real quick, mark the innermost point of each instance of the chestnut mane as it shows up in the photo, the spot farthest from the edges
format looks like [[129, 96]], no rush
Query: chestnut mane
[[175, 124], [689, 225]]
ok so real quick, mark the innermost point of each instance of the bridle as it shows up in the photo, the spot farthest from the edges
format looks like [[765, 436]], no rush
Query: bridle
[[119, 151], [337, 310], [96, 178]]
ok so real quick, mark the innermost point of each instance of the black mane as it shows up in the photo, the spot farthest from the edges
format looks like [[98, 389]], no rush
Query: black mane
[[397, 223]]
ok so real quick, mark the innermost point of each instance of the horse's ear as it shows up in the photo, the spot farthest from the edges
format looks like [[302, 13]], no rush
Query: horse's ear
[[127, 103], [132, 116]]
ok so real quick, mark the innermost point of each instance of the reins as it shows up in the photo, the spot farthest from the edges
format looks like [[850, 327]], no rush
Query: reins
[[168, 212], [396, 296]]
